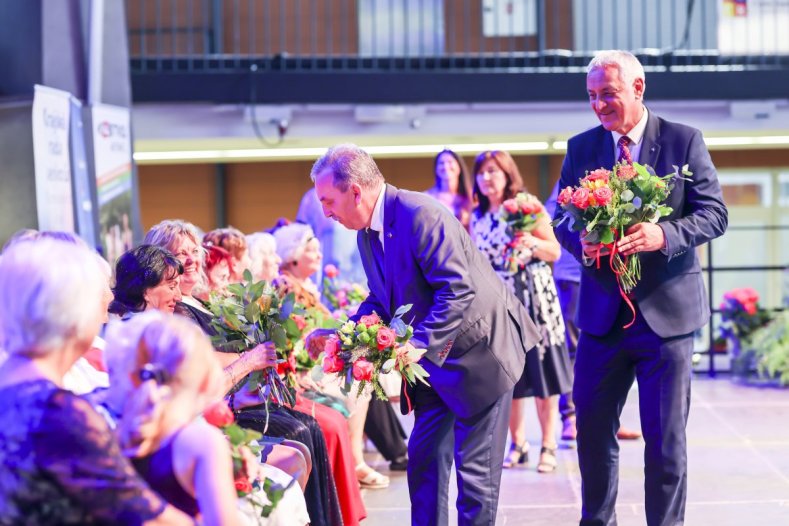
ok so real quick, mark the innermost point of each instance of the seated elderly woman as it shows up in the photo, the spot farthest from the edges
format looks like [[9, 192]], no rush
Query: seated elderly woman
[[146, 277], [59, 462], [263, 255]]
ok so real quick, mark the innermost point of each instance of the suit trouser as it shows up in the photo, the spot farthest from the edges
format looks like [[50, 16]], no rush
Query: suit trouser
[[605, 368], [568, 300], [475, 443]]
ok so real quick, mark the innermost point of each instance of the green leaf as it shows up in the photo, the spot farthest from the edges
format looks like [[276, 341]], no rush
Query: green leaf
[[248, 276], [402, 310], [236, 289], [278, 336], [287, 305], [252, 312], [399, 327], [627, 196], [607, 237]]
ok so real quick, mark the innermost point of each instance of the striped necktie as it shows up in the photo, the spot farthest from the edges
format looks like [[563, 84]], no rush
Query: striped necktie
[[624, 150]]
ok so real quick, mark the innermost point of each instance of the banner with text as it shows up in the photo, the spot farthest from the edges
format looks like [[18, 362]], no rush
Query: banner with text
[[112, 151], [51, 123]]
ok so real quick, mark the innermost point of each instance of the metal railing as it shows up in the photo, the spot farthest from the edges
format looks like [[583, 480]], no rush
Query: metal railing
[[453, 35], [711, 270]]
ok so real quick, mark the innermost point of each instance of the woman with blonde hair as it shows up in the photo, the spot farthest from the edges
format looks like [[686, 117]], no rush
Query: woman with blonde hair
[[163, 374]]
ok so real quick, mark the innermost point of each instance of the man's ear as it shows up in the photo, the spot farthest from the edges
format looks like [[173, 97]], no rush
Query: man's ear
[[639, 86], [356, 190]]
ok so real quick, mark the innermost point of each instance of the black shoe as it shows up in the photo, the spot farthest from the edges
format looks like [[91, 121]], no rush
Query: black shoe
[[399, 464]]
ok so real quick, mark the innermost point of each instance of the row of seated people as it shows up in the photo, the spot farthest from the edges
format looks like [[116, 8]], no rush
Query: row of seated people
[[155, 373]]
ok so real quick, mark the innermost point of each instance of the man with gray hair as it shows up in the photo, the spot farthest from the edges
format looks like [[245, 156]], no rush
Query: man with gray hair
[[669, 302], [414, 251]]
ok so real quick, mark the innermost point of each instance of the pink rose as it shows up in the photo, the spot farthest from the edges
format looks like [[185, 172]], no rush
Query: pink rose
[[219, 414], [331, 271], [385, 338], [342, 298], [603, 195], [300, 321], [243, 485], [362, 370], [581, 198], [332, 346], [370, 319], [332, 364], [531, 207], [510, 206], [565, 196]]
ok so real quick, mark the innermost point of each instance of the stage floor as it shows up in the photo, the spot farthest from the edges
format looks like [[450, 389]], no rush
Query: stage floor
[[738, 458]]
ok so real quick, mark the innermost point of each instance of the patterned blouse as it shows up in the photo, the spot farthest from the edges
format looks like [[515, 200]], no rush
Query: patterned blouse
[[61, 464]]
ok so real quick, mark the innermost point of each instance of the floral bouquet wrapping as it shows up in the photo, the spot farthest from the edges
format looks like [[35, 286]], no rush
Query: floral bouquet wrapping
[[741, 314], [608, 202], [245, 452], [342, 297], [251, 314], [366, 349], [521, 214]]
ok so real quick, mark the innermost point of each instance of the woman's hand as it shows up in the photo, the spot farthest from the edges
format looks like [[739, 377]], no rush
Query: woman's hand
[[261, 357]]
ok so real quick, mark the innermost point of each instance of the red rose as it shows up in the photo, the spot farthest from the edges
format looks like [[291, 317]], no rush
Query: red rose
[[603, 195], [565, 196], [362, 370], [332, 346], [331, 271], [385, 338], [626, 172], [243, 485], [510, 206], [332, 364], [369, 320], [219, 414], [581, 198]]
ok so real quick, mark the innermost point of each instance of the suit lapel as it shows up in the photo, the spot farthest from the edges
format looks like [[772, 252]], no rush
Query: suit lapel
[[371, 268], [389, 243], [650, 148]]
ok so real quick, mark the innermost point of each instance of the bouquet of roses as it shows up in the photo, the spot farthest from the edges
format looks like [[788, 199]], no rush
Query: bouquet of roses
[[245, 451], [340, 296], [253, 313], [607, 202], [521, 214], [741, 314], [306, 359], [366, 349]]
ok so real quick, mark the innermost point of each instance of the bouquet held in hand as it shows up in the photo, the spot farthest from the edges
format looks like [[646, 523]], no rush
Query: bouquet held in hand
[[364, 350], [521, 213], [607, 202]]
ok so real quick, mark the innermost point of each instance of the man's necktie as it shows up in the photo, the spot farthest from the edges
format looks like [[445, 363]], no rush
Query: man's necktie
[[377, 250], [624, 150]]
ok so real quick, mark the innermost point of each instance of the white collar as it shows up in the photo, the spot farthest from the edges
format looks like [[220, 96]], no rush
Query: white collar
[[377, 219], [637, 133]]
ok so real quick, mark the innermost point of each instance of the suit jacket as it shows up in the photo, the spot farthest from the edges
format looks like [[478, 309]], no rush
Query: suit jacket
[[475, 332], [671, 294]]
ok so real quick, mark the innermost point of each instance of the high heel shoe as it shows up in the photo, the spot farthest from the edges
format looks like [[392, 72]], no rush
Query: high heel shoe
[[547, 460], [517, 456]]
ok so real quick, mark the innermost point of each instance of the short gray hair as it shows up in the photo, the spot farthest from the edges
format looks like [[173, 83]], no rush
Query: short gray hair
[[169, 232], [349, 164], [260, 243], [50, 294], [628, 65]]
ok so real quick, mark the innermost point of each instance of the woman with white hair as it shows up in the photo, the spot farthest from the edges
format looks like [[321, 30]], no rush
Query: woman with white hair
[[59, 462], [263, 254]]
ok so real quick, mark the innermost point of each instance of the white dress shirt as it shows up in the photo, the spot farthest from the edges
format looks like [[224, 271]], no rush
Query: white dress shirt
[[635, 135], [377, 219]]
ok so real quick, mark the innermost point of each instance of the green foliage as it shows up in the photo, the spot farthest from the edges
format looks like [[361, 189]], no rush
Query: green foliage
[[771, 345]]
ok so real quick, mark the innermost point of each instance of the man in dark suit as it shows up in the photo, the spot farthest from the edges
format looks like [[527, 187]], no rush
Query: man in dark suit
[[670, 300], [476, 333]]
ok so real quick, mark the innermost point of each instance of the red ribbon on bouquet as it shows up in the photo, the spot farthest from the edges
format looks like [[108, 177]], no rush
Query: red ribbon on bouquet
[[612, 249]]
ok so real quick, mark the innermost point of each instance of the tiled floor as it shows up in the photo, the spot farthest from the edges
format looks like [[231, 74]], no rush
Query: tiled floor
[[738, 468]]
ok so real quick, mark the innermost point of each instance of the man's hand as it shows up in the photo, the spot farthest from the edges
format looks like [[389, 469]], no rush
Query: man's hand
[[643, 237], [316, 341]]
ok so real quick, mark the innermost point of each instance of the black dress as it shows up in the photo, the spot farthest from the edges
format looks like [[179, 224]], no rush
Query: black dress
[[61, 464], [320, 493]]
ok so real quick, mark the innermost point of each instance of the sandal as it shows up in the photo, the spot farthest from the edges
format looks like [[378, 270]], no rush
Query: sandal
[[518, 456], [548, 461], [369, 478]]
